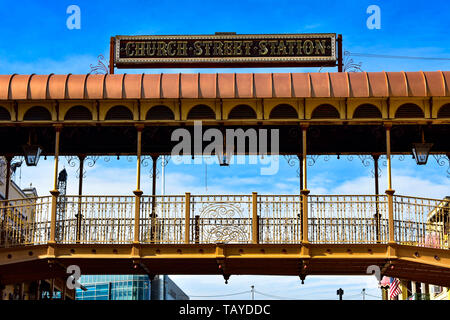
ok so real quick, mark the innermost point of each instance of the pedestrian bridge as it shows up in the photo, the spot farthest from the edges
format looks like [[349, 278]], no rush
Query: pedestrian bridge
[[407, 237]]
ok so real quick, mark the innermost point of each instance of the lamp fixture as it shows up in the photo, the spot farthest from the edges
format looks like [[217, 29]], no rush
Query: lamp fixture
[[421, 151], [32, 153]]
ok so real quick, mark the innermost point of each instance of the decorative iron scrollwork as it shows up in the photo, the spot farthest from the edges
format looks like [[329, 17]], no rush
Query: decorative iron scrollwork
[[441, 159], [90, 161], [160, 162], [101, 67], [222, 222], [367, 160], [311, 159], [291, 159], [349, 64]]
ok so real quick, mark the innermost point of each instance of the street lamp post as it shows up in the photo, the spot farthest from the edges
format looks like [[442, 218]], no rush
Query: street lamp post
[[340, 293]]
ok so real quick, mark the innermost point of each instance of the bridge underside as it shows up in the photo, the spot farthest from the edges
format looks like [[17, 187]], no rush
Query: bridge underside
[[323, 138], [426, 265]]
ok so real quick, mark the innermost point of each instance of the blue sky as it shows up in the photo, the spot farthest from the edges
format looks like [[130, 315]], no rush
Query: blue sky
[[35, 39]]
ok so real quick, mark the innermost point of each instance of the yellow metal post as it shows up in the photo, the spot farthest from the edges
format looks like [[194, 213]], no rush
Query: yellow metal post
[[304, 191], [390, 192], [255, 238], [138, 192], [187, 217], [388, 155], [404, 288], [55, 191]]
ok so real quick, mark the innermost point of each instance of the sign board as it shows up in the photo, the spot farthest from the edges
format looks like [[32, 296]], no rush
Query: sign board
[[225, 50]]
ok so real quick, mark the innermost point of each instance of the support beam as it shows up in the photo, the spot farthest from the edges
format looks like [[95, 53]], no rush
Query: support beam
[[138, 192], [8, 176], [390, 192], [187, 217], [388, 155], [340, 57], [304, 191], [414, 290], [255, 237], [304, 153], [79, 215], [377, 192], [55, 191], [153, 214], [300, 216]]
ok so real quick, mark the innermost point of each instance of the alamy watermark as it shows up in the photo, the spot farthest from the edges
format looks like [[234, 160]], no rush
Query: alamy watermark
[[374, 20], [75, 274], [228, 146], [74, 19]]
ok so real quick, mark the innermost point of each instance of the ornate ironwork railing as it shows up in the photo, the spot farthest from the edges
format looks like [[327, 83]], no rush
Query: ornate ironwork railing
[[162, 219], [347, 219], [422, 222], [25, 221], [222, 218], [227, 219], [280, 218], [97, 219]]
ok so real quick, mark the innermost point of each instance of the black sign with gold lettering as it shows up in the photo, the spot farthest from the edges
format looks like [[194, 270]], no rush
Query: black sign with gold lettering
[[229, 50]]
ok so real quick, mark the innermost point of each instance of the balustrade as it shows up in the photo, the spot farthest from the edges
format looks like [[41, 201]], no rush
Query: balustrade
[[243, 219]]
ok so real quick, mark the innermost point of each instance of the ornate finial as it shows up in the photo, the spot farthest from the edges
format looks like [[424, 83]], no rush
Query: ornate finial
[[101, 67], [350, 65]]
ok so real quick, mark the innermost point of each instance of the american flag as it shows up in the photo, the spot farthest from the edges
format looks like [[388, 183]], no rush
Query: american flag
[[394, 288]]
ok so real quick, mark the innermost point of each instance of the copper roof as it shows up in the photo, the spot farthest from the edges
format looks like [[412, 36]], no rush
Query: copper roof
[[225, 85]]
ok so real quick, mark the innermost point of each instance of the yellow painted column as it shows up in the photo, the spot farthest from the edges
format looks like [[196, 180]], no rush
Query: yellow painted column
[[55, 191], [255, 238], [187, 217], [404, 288], [304, 192], [390, 192], [384, 295], [138, 192]]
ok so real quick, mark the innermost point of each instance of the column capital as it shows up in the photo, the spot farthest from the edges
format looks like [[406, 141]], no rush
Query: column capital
[[58, 127], [305, 192], [390, 192], [139, 127], [387, 125], [304, 125], [54, 193], [138, 193]]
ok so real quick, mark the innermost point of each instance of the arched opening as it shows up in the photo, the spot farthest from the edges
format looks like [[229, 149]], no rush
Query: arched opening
[[409, 110], [37, 114], [78, 113], [367, 111], [325, 111], [160, 113], [444, 111], [119, 113], [4, 114], [201, 111], [242, 111], [283, 111]]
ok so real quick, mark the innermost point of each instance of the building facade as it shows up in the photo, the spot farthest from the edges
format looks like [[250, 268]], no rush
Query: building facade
[[12, 221], [129, 287]]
